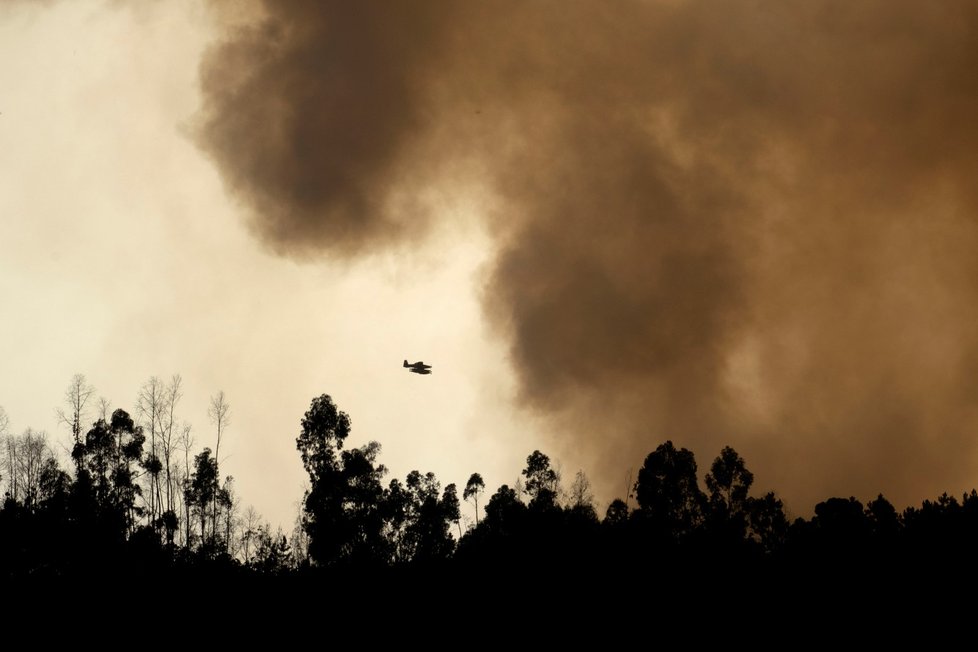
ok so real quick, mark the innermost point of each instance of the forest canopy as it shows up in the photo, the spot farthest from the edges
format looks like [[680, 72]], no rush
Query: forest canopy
[[137, 497]]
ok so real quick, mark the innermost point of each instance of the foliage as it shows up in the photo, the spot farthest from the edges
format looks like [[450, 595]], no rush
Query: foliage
[[668, 493], [99, 522]]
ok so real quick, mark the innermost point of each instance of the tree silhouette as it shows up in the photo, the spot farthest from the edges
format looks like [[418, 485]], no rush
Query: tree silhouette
[[151, 408], [617, 512], [204, 488], [667, 491], [186, 443], [451, 507], [839, 535], [324, 428], [77, 397], [54, 487], [273, 555], [105, 480], [343, 513], [542, 481], [504, 512], [168, 435], [581, 499], [729, 483], [361, 494], [428, 519], [27, 455], [473, 489], [767, 522], [884, 520], [97, 524], [219, 412]]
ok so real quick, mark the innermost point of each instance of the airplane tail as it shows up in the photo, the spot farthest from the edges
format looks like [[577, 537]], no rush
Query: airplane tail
[[406, 364]]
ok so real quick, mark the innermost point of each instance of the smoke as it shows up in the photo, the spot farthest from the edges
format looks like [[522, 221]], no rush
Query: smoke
[[312, 116], [719, 223]]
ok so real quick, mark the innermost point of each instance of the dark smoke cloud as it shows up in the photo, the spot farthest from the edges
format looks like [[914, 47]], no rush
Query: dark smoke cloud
[[311, 115], [721, 223]]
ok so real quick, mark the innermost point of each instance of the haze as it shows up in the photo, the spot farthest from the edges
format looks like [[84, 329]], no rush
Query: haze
[[604, 224]]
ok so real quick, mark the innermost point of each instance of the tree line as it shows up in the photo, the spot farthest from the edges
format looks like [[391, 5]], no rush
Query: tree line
[[137, 498], [137, 495]]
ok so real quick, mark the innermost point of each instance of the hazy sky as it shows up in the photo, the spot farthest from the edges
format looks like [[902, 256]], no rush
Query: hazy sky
[[123, 258], [606, 224]]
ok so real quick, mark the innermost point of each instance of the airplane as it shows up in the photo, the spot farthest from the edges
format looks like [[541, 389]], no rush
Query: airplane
[[418, 367]]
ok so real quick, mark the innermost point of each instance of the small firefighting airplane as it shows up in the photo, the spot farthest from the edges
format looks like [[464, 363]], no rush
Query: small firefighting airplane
[[418, 367]]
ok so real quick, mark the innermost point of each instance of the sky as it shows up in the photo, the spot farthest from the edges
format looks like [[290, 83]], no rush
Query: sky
[[124, 258], [606, 225]]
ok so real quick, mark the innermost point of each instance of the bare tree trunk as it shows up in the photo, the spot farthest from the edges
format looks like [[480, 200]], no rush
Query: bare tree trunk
[[252, 521], [31, 452], [220, 415], [4, 424], [12, 466], [628, 487], [172, 396], [149, 405], [77, 397], [230, 505], [104, 406], [186, 442]]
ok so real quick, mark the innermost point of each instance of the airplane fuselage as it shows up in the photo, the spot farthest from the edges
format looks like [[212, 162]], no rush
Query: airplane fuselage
[[417, 367]]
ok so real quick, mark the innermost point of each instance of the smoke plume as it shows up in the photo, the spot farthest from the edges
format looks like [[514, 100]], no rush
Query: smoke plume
[[748, 223]]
